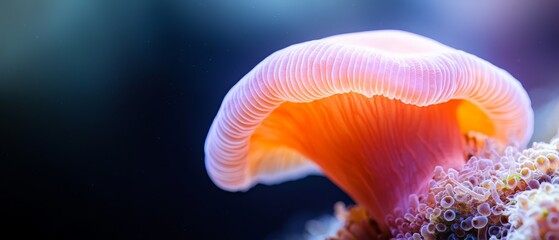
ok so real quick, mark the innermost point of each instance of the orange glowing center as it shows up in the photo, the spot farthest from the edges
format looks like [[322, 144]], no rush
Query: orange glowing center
[[377, 150]]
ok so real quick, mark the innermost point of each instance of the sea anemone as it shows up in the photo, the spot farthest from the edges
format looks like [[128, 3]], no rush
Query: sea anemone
[[375, 112]]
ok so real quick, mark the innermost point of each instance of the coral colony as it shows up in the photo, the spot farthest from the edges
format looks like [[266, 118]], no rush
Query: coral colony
[[392, 118], [509, 195]]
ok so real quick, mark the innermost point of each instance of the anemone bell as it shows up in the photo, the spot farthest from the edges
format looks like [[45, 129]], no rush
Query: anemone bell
[[373, 111]]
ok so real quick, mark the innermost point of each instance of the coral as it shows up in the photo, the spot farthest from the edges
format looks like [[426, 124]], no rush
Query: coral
[[358, 224], [510, 194], [535, 213]]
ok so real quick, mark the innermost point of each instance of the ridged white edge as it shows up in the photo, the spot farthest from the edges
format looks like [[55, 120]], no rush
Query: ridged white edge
[[321, 68]]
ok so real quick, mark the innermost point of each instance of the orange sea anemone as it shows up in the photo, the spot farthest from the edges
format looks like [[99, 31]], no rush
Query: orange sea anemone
[[374, 111]]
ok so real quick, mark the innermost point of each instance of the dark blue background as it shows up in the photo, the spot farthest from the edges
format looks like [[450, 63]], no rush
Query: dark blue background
[[105, 105]]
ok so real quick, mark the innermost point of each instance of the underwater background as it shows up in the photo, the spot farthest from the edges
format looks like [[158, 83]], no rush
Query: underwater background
[[105, 105]]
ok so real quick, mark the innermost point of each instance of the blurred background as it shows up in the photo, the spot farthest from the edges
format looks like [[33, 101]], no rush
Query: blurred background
[[105, 105]]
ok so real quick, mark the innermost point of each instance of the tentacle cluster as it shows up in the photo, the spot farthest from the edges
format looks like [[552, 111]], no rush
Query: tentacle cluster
[[487, 198], [510, 194]]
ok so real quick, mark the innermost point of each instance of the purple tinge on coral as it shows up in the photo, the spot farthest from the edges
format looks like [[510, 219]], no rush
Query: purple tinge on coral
[[484, 203]]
